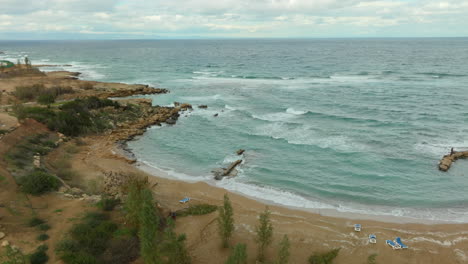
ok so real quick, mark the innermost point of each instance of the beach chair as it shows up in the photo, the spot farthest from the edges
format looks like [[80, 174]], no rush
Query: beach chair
[[372, 239], [357, 227], [185, 200], [398, 241], [392, 244]]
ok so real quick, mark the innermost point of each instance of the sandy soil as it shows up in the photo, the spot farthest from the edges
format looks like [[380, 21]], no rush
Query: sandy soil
[[308, 232]]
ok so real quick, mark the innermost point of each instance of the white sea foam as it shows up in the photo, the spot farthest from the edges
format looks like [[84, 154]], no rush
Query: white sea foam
[[295, 112]]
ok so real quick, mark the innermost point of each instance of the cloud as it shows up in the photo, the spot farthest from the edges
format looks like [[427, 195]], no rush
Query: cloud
[[239, 18]]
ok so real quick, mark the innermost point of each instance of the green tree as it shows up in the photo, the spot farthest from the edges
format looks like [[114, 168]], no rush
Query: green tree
[[239, 255], [226, 221], [283, 253], [174, 246], [46, 99], [149, 222], [324, 258], [264, 234]]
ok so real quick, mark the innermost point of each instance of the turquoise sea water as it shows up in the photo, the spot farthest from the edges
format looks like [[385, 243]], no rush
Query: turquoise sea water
[[356, 125]]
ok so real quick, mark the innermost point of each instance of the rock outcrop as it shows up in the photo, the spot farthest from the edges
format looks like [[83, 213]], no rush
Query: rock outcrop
[[447, 160]]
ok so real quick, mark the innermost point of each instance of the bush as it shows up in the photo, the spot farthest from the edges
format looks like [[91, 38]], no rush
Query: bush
[[88, 240], [226, 221], [44, 227], [264, 234], [39, 182], [283, 253], [371, 259], [325, 258], [108, 204], [239, 255], [42, 237], [29, 92], [39, 257], [198, 209], [35, 221], [46, 99], [93, 233]]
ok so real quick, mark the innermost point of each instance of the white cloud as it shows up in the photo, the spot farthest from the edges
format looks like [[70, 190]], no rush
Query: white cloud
[[233, 17]]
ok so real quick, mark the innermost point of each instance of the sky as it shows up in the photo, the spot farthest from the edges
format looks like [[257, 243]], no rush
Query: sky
[[153, 19]]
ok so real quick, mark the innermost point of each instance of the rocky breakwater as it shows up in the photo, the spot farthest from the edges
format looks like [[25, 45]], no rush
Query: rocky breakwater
[[150, 115], [447, 160]]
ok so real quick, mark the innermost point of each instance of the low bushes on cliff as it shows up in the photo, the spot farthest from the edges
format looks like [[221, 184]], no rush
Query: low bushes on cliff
[[88, 239], [198, 209], [35, 91], [38, 182], [72, 118]]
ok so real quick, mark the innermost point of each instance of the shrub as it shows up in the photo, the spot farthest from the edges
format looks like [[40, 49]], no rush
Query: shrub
[[239, 255], [39, 257], [371, 259], [29, 92], [264, 234], [46, 99], [39, 182], [283, 253], [198, 209], [44, 227], [174, 247], [93, 233], [325, 258], [226, 221], [35, 221], [42, 237], [108, 204], [148, 228]]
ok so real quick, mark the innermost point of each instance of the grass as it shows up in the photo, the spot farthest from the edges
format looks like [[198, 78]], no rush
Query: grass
[[198, 209], [324, 258], [58, 211]]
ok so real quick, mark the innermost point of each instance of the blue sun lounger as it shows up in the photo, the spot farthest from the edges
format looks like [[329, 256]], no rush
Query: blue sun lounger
[[398, 241], [185, 200], [392, 244], [357, 227], [372, 239]]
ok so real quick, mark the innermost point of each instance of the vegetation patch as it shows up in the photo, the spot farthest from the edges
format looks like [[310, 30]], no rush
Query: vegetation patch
[[39, 182], [108, 203], [39, 256], [42, 237], [35, 221], [198, 209], [324, 258], [39, 92], [88, 239]]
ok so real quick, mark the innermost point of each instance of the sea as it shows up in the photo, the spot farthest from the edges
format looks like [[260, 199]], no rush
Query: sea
[[347, 125]]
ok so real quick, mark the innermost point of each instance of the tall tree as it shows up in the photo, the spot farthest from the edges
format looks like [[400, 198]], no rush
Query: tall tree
[[226, 221], [283, 253], [264, 234], [174, 246], [149, 222], [239, 255]]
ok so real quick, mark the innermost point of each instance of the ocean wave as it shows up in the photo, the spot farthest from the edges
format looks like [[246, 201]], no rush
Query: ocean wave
[[440, 74], [276, 196], [295, 112]]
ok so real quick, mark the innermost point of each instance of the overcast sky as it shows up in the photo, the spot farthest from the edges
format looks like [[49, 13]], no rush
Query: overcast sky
[[110, 19]]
